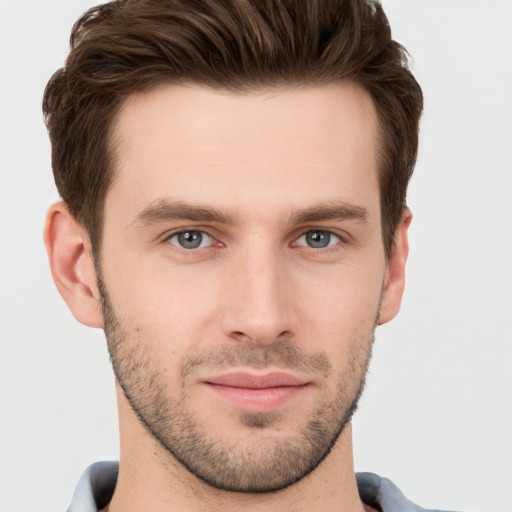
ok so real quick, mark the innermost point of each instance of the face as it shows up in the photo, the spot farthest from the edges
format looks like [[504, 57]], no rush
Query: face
[[241, 271]]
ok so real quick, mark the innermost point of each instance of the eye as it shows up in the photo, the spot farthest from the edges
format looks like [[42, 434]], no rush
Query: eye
[[191, 239], [318, 239]]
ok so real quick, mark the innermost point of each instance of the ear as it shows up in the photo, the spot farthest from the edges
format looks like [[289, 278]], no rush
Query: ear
[[72, 266], [394, 282]]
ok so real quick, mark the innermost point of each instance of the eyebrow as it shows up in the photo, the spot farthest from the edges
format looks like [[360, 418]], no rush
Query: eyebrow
[[164, 210], [332, 210]]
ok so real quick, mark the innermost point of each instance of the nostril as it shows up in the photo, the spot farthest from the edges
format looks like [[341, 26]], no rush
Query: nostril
[[240, 336]]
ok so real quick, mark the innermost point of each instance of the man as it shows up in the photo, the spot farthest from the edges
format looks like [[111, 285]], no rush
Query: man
[[233, 177]]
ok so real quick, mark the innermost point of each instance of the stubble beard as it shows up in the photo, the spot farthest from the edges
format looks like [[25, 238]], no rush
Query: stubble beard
[[265, 465]]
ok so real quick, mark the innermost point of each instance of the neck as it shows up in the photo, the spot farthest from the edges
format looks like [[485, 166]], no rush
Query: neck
[[151, 479]]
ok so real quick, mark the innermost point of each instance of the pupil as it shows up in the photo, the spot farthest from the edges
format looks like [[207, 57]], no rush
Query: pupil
[[318, 239], [190, 239]]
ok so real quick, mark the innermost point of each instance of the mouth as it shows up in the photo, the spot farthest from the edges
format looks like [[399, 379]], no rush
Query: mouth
[[257, 393]]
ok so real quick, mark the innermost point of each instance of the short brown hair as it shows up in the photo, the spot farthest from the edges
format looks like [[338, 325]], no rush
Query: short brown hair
[[129, 46]]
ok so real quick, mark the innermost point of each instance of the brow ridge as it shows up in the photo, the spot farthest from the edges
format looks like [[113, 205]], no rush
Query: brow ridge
[[163, 210]]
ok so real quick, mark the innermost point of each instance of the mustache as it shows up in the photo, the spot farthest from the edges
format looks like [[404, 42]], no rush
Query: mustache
[[280, 354]]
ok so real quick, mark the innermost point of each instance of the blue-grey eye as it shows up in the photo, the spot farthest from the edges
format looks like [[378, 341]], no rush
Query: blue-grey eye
[[318, 239], [191, 239]]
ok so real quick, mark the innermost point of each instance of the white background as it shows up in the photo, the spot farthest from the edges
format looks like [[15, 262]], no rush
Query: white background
[[437, 414]]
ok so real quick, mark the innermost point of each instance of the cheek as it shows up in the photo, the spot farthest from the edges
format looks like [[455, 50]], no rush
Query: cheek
[[347, 294], [169, 307], [341, 313]]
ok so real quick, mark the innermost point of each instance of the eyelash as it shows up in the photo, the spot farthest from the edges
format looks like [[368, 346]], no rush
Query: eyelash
[[339, 239]]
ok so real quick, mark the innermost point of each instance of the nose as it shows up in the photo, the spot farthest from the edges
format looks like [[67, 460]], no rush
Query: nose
[[259, 301]]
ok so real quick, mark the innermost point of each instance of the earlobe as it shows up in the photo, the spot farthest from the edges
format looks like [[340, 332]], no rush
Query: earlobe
[[394, 283], [71, 264]]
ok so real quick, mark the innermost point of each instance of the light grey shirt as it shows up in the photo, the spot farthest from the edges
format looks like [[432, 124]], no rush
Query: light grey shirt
[[97, 485]]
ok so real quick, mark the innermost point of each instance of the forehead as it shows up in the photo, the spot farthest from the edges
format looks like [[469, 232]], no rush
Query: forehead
[[291, 145]]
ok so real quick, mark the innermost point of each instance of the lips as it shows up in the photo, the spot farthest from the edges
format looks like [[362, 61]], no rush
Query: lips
[[250, 381], [256, 393]]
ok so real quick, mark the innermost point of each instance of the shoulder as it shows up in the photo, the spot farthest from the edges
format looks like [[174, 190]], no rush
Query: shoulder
[[382, 494], [95, 487]]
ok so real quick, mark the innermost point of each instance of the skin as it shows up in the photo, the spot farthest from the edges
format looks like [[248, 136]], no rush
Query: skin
[[276, 166]]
